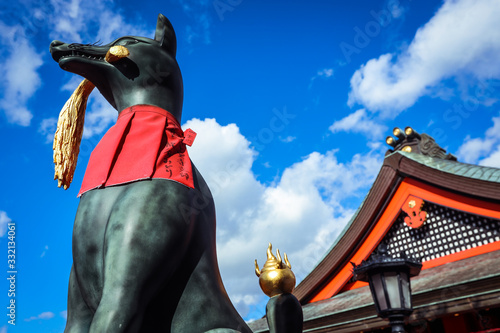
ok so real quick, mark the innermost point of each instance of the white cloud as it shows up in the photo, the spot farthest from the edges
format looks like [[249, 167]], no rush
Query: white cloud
[[472, 149], [227, 171], [287, 139], [47, 128], [75, 21], [71, 21], [301, 213], [43, 315], [325, 72], [200, 13], [72, 84], [99, 115], [64, 314], [20, 78], [4, 219], [493, 160], [44, 252], [396, 9], [359, 122], [483, 151], [200, 30], [112, 26], [461, 40]]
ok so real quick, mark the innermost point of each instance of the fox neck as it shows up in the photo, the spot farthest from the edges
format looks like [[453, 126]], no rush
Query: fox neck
[[162, 96]]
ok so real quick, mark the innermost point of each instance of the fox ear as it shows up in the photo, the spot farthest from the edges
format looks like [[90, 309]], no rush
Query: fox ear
[[165, 34]]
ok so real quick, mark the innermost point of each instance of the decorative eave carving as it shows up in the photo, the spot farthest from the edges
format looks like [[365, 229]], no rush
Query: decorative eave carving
[[413, 208], [411, 141]]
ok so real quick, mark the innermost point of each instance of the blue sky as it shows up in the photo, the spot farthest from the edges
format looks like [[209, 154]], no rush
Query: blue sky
[[291, 100]]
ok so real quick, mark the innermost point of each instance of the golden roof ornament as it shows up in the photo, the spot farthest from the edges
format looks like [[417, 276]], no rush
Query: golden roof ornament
[[276, 277], [412, 142]]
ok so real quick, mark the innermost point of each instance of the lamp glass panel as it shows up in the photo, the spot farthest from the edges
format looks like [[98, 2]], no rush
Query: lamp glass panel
[[392, 285], [405, 284], [379, 291]]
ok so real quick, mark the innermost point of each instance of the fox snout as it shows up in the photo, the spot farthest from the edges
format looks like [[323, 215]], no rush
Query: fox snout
[[55, 43], [53, 47], [60, 50]]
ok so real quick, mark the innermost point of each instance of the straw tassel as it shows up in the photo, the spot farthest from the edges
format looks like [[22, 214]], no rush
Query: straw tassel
[[69, 134]]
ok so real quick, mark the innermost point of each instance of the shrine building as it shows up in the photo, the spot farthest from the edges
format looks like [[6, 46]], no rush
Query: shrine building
[[426, 205]]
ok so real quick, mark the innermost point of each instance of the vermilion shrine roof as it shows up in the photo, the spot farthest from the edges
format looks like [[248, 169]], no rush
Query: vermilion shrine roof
[[442, 181]]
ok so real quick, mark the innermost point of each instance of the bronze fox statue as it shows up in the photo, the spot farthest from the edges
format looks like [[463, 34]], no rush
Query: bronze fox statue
[[144, 257]]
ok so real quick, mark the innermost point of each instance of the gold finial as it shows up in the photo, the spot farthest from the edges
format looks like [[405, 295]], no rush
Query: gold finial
[[411, 133], [398, 133], [390, 141], [276, 276], [116, 52]]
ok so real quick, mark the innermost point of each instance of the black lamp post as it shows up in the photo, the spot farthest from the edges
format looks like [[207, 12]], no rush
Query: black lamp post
[[389, 280]]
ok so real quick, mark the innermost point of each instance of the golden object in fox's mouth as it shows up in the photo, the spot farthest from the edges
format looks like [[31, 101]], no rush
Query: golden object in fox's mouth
[[116, 52], [276, 277]]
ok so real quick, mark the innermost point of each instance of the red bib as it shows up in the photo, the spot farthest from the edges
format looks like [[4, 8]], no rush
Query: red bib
[[146, 142]]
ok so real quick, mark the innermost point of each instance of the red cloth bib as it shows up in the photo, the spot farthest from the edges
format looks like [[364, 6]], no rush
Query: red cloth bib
[[146, 142]]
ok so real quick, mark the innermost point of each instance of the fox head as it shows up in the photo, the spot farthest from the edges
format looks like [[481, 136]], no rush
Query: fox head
[[148, 75]]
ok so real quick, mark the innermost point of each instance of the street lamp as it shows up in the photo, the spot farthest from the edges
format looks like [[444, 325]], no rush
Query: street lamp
[[389, 280]]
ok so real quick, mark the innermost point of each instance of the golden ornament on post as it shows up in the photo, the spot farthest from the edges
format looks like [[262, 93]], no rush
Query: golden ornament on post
[[276, 277]]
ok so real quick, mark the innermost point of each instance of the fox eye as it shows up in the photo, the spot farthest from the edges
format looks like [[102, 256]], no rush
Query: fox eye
[[126, 42]]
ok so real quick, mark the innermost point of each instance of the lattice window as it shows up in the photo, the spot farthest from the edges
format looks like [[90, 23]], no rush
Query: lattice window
[[445, 232]]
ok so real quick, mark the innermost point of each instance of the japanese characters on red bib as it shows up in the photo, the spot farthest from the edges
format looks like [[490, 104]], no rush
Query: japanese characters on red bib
[[146, 142]]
